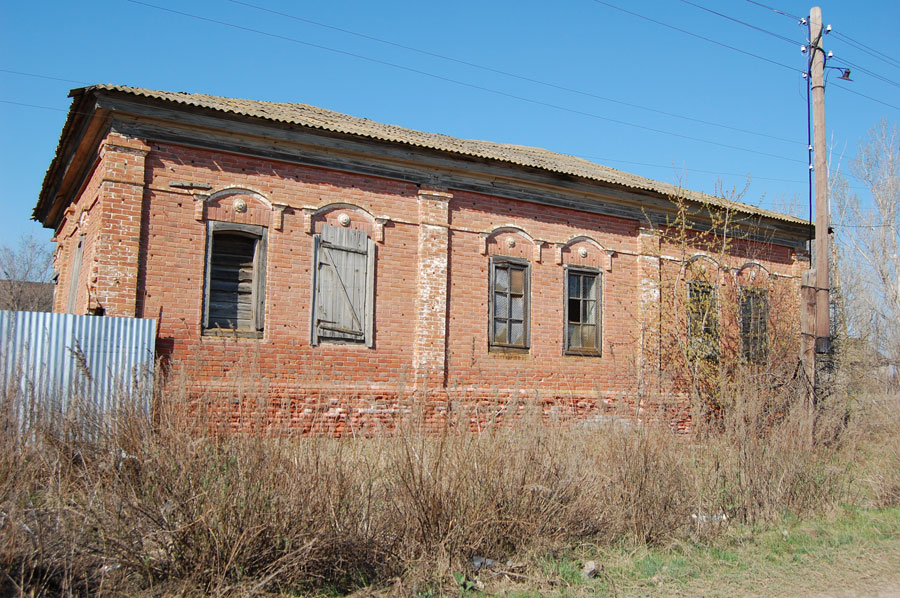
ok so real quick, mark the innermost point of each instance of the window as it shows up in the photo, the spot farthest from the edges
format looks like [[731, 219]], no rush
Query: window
[[74, 275], [582, 311], [703, 321], [509, 304], [754, 324], [235, 279], [344, 286]]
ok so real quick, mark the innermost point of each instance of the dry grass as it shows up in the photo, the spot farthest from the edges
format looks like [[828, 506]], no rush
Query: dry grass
[[120, 504]]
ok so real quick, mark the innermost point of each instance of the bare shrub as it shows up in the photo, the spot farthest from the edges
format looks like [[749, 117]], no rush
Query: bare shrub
[[119, 502], [875, 449]]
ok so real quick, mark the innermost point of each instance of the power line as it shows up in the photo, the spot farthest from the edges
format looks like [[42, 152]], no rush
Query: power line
[[43, 76], [462, 83], [867, 49], [868, 72], [689, 170], [698, 36], [587, 157], [33, 106], [576, 155], [512, 75], [863, 225], [745, 24], [25, 74], [775, 10], [27, 105], [848, 90]]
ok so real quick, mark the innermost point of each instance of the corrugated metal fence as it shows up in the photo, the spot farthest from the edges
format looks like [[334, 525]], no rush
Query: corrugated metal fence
[[54, 358]]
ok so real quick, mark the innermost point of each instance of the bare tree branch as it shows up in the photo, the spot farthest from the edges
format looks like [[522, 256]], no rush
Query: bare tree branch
[[25, 274], [868, 230]]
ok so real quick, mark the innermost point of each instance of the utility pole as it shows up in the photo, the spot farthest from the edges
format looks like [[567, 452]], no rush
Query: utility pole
[[815, 304], [820, 170]]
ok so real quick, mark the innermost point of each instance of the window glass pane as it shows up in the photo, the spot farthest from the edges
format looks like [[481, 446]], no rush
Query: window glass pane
[[516, 333], [501, 305], [574, 285], [590, 287], [702, 320], [501, 278], [588, 337], [589, 311], [518, 308], [754, 316], [574, 310], [500, 331], [516, 281], [573, 336]]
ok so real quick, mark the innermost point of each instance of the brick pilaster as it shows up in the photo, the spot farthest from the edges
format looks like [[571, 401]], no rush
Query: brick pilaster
[[650, 322], [115, 268], [430, 344]]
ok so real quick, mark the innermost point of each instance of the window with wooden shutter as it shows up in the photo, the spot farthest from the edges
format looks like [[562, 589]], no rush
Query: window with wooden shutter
[[344, 284], [234, 302], [509, 304], [74, 275], [755, 325]]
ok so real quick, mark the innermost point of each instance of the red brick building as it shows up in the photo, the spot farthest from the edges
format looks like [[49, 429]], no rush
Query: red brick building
[[343, 263]]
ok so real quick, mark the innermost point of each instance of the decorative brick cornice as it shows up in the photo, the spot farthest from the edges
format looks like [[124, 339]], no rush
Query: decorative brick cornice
[[435, 194], [127, 145], [278, 215]]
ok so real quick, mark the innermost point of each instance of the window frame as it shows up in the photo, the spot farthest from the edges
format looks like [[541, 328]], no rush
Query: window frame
[[598, 314], [706, 343], [260, 235], [754, 344], [517, 264], [367, 338]]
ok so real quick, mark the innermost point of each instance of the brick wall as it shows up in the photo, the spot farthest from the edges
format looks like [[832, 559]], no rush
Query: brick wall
[[147, 245]]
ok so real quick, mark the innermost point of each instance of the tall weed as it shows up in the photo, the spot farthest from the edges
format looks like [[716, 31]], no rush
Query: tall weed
[[119, 502]]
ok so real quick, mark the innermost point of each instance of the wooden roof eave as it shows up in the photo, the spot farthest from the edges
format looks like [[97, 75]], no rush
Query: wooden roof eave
[[75, 157]]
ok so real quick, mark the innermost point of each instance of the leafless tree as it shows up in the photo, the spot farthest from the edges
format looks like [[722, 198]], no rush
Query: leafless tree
[[25, 272], [868, 234]]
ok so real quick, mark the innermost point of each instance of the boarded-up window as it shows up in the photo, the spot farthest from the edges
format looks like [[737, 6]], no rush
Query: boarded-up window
[[583, 311], [235, 279], [509, 306], [344, 284], [755, 325], [74, 275], [703, 321]]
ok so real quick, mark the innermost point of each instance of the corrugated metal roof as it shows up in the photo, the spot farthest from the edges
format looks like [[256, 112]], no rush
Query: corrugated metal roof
[[53, 358], [535, 157]]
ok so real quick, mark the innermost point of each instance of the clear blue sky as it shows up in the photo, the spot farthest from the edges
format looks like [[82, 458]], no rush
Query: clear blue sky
[[581, 70]]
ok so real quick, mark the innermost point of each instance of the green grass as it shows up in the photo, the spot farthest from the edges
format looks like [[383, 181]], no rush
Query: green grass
[[739, 561]]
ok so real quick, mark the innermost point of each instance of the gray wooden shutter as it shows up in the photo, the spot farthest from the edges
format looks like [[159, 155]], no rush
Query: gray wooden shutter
[[370, 295], [259, 288], [235, 288], [232, 291], [344, 286], [75, 275]]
